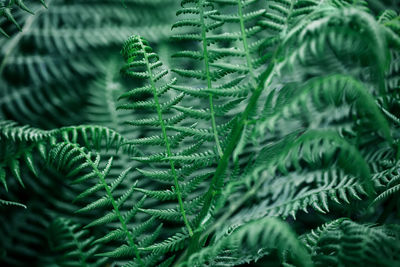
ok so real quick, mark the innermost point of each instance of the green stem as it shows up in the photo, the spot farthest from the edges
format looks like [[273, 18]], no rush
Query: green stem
[[166, 141], [113, 203], [244, 40], [232, 209], [208, 75], [213, 190]]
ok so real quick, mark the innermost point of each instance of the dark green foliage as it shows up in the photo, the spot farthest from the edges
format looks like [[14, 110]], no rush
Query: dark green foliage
[[229, 133], [343, 242], [72, 245], [6, 11], [260, 234]]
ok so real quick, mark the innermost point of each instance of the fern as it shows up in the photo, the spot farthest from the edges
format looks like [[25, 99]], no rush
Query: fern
[[20, 143], [346, 242], [72, 244], [11, 203], [142, 63], [69, 155], [258, 234], [241, 132], [5, 10]]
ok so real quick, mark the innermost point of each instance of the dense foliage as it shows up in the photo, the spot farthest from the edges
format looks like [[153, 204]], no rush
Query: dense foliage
[[199, 133]]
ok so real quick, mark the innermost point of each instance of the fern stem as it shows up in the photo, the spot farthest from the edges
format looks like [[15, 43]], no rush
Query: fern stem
[[214, 125], [237, 131], [217, 224], [234, 138], [245, 44], [113, 203], [123, 224], [166, 141], [208, 75], [292, 2], [233, 208]]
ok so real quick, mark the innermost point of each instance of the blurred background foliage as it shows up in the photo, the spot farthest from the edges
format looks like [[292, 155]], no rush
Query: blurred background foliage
[[57, 71]]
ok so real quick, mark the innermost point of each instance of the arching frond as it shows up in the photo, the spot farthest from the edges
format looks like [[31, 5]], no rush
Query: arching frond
[[266, 233], [345, 242]]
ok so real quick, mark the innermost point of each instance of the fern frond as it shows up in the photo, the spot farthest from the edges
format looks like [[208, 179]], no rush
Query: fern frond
[[143, 63], [284, 200], [309, 146], [165, 214], [72, 244], [313, 36], [11, 130], [310, 152], [17, 146], [21, 143], [159, 194], [387, 193], [319, 94], [265, 233], [11, 203], [92, 136], [5, 11], [346, 242], [77, 159], [200, 12], [173, 243]]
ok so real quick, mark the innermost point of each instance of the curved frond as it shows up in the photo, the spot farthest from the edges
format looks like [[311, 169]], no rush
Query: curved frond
[[344, 242], [267, 233]]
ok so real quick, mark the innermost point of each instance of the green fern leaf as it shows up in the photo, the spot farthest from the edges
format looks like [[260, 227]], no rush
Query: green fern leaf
[[173, 243], [265, 233], [72, 245]]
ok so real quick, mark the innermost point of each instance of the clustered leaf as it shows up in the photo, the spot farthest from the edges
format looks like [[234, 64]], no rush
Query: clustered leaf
[[229, 133]]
